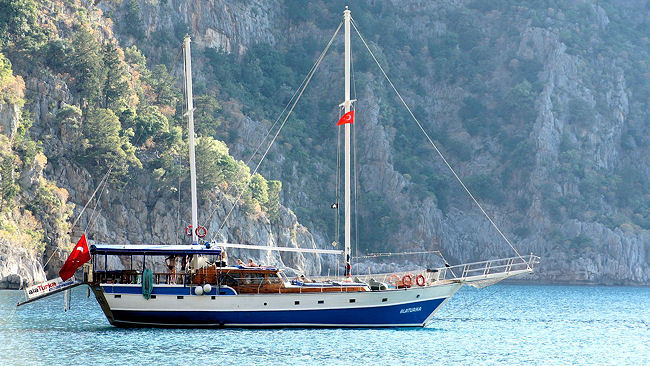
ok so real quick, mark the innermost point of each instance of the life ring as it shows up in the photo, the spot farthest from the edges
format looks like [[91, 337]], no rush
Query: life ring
[[201, 231], [420, 280], [393, 279], [407, 280], [188, 230]]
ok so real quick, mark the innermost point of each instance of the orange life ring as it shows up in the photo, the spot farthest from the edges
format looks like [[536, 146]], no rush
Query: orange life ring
[[393, 279], [420, 280], [201, 231], [188, 230], [407, 280]]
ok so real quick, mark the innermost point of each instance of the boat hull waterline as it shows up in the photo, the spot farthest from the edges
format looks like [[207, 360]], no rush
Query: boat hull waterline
[[413, 307]]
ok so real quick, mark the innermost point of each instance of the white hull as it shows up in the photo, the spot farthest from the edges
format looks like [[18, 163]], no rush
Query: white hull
[[124, 305]]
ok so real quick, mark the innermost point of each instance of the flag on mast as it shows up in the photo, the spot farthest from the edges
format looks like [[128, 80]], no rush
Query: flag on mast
[[79, 255], [346, 118]]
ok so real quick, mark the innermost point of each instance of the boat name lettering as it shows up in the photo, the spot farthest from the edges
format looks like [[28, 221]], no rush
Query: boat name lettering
[[410, 310]]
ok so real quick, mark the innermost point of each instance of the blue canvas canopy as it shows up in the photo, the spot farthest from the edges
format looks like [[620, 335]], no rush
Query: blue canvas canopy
[[102, 249]]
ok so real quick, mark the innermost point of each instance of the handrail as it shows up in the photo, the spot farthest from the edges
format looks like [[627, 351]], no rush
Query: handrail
[[474, 271]]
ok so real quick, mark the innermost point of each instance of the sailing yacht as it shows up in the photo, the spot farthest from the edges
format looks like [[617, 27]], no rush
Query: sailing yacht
[[196, 286]]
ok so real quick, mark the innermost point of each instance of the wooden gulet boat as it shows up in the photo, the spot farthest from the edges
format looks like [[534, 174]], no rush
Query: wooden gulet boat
[[197, 288]]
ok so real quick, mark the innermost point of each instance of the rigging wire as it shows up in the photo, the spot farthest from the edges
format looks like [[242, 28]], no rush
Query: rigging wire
[[177, 159], [338, 179], [377, 255], [94, 217], [436, 147], [304, 87], [268, 133], [355, 165], [101, 183], [187, 111], [178, 205], [466, 306]]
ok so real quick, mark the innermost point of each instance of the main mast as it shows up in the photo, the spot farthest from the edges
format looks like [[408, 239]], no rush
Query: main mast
[[347, 104], [190, 134]]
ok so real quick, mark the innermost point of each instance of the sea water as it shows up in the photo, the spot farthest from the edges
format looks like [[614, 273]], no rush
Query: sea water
[[502, 325]]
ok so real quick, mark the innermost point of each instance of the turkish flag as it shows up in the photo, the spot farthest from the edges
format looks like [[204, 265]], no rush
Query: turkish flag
[[346, 118], [80, 255]]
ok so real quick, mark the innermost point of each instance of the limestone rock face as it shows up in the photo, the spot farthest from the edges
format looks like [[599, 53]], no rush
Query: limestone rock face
[[225, 25], [9, 116], [608, 253], [589, 245], [18, 267]]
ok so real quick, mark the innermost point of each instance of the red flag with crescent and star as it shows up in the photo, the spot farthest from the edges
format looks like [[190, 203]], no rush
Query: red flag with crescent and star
[[346, 118], [79, 255]]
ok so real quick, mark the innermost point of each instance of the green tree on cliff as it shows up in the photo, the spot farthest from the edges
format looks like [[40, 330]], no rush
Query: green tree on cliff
[[116, 87], [107, 145], [87, 66]]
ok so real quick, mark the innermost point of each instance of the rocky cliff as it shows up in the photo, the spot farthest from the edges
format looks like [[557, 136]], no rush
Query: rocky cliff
[[544, 104], [47, 179], [541, 109]]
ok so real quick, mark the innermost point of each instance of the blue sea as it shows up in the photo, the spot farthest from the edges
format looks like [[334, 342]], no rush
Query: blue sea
[[498, 325]]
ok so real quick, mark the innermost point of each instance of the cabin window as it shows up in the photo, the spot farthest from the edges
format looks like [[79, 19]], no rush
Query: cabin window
[[153, 296], [213, 297], [384, 299], [274, 279], [321, 301], [296, 302], [353, 300], [265, 304], [180, 297], [118, 296]]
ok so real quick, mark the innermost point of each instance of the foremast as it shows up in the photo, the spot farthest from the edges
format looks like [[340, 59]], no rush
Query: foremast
[[347, 103], [190, 135]]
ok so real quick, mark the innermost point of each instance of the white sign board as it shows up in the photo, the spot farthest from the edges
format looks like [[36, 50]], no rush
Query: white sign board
[[46, 287]]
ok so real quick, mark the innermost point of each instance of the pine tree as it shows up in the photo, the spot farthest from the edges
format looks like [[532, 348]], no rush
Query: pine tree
[[163, 86], [116, 86], [87, 66], [108, 144]]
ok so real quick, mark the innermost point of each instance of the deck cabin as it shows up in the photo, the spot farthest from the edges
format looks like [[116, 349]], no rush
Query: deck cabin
[[198, 265]]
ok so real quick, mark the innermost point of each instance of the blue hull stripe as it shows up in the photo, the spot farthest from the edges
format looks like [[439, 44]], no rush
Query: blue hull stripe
[[163, 290], [412, 313]]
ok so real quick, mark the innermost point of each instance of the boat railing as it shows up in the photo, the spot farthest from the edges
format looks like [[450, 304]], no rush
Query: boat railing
[[495, 269], [490, 269], [135, 277], [180, 277]]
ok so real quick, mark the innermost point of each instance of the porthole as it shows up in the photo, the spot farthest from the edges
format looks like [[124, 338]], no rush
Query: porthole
[[321, 301], [118, 296], [296, 302], [384, 299], [353, 300], [180, 297]]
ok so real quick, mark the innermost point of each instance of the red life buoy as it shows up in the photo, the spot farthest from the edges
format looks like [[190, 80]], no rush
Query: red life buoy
[[407, 280], [420, 280], [393, 279], [201, 231], [188, 230]]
